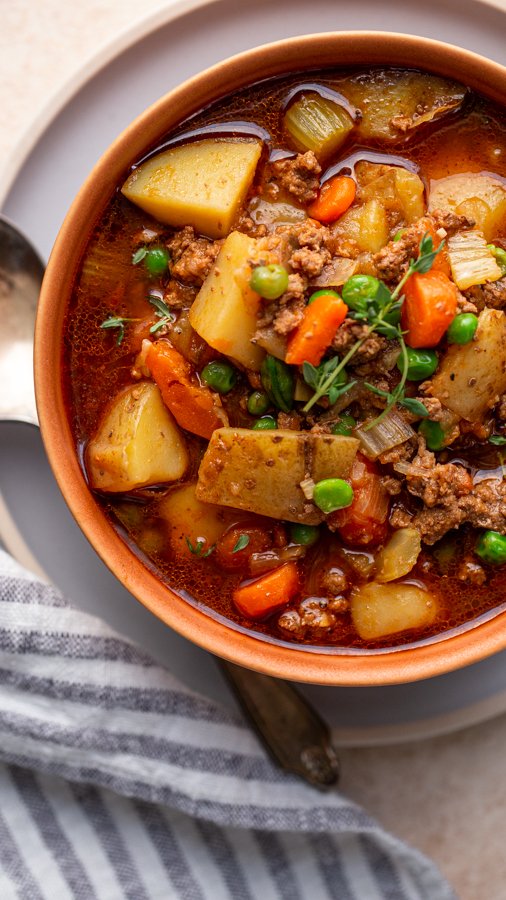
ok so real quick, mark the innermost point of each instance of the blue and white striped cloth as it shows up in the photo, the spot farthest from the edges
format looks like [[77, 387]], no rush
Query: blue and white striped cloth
[[117, 782]]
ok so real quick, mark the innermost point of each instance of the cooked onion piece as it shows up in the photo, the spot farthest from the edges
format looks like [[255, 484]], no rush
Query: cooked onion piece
[[379, 610], [399, 556]]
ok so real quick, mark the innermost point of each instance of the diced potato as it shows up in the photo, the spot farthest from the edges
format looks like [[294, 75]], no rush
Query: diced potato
[[224, 311], [379, 610], [471, 377], [201, 184], [318, 123], [137, 443], [480, 197], [261, 471], [399, 556], [395, 103], [395, 188], [269, 212], [374, 231], [187, 519], [366, 225]]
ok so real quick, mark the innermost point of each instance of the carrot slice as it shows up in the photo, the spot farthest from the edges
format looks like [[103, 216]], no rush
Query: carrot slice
[[430, 304], [335, 196], [192, 406], [258, 599], [311, 338]]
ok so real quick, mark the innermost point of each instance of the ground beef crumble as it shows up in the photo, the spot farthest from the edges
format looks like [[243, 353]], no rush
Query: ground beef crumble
[[451, 499], [299, 175]]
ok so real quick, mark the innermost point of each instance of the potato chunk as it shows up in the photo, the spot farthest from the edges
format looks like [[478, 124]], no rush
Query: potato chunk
[[224, 311], [189, 520], [471, 377], [394, 103], [261, 471], [367, 225], [201, 184], [378, 610], [137, 443], [479, 197]]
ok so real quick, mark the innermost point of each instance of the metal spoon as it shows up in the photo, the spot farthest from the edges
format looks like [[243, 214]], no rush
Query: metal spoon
[[291, 730]]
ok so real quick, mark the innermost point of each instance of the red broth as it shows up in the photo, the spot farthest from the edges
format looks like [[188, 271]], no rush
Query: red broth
[[470, 139]]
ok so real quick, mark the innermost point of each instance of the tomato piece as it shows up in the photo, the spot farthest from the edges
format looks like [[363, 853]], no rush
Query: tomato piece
[[364, 522], [229, 551]]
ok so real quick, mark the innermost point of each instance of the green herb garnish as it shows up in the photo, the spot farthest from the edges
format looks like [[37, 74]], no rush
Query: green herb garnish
[[198, 548], [242, 542], [380, 313], [139, 255], [118, 322], [497, 439], [165, 316], [317, 377]]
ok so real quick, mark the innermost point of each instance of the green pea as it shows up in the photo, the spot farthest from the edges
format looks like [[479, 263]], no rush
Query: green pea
[[332, 493], [358, 290], [325, 292], [258, 403], [307, 535], [433, 434], [265, 424], [345, 425], [421, 364], [462, 329], [157, 260], [500, 256], [220, 376], [269, 281], [491, 548], [278, 381]]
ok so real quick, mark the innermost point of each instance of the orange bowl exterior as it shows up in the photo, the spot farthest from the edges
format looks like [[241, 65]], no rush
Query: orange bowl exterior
[[349, 668]]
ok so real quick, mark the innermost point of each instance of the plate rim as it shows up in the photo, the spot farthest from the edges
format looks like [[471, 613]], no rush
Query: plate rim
[[56, 102], [99, 59]]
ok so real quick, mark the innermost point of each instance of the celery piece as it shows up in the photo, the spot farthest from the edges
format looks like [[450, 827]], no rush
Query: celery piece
[[317, 123]]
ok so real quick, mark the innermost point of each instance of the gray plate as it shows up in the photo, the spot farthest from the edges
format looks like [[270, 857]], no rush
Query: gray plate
[[46, 173]]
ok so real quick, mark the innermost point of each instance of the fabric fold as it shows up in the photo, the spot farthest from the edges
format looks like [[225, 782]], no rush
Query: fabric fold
[[118, 781]]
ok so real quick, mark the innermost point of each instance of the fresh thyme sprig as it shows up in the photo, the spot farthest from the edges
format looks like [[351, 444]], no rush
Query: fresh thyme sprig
[[164, 313], [118, 322], [380, 313], [197, 549], [241, 543], [317, 376]]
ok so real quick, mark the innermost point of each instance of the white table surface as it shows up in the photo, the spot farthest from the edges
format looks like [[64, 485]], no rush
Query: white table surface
[[446, 795]]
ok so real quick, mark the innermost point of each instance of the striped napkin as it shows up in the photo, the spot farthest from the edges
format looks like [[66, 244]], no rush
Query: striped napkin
[[116, 781]]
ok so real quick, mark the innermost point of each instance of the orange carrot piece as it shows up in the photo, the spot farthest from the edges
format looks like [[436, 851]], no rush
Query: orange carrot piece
[[441, 262], [335, 196], [192, 406], [311, 338], [430, 304], [258, 599]]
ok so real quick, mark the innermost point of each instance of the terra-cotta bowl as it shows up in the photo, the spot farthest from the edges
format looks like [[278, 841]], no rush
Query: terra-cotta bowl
[[310, 664]]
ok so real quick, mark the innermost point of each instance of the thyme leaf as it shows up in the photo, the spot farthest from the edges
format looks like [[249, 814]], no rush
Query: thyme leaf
[[197, 549], [118, 322], [164, 313], [242, 542], [139, 255]]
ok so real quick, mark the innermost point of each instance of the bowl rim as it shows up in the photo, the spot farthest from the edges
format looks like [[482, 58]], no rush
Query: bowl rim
[[392, 666]]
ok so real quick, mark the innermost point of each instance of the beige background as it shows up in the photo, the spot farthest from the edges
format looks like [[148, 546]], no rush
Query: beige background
[[447, 796]]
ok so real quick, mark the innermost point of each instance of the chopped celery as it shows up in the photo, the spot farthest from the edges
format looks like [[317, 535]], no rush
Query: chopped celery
[[471, 260], [317, 123]]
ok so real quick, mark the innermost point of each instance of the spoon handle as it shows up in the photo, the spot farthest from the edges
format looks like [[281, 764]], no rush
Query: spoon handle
[[291, 729]]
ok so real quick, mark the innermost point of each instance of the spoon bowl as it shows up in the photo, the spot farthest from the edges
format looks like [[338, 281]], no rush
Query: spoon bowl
[[290, 728], [21, 272]]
